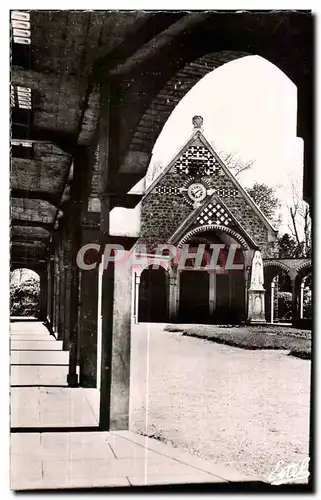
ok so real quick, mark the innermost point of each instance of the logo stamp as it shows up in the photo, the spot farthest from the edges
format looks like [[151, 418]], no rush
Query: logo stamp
[[286, 473]]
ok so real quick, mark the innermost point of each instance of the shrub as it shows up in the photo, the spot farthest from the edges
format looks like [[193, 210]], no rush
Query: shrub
[[285, 305], [24, 298], [307, 303]]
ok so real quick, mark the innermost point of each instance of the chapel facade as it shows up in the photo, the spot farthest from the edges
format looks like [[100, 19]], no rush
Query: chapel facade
[[197, 201]]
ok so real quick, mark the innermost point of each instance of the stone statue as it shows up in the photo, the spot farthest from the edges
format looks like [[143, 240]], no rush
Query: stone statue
[[257, 278], [256, 303]]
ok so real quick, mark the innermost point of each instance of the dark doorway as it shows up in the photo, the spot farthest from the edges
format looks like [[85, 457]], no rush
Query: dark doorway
[[194, 297], [230, 298], [152, 306]]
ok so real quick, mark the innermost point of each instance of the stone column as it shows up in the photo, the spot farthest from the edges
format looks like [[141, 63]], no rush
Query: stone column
[[276, 300], [50, 275], [62, 304], [74, 228], [67, 273], [256, 299], [295, 294], [116, 330], [212, 292], [248, 256], [43, 295], [56, 292], [136, 296], [301, 298], [272, 301], [173, 294], [88, 311]]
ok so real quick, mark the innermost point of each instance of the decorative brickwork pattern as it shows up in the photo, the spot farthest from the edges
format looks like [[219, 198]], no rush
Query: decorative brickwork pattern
[[166, 190], [197, 160], [166, 207], [214, 213]]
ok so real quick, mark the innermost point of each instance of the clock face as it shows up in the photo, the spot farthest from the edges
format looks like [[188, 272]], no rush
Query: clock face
[[196, 192]]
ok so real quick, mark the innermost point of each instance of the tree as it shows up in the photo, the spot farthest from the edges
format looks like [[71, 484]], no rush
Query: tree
[[265, 198], [154, 171], [235, 164], [288, 247], [300, 223]]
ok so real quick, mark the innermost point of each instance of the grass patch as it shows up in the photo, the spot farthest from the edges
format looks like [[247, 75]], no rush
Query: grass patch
[[303, 352], [298, 342]]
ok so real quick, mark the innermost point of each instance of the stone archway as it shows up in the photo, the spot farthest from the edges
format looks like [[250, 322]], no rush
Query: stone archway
[[304, 284], [216, 291], [278, 296]]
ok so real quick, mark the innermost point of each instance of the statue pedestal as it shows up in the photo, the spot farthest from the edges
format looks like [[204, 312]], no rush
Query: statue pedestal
[[256, 306]]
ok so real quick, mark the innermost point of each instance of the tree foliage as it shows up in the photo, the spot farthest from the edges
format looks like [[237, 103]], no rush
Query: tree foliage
[[285, 305], [265, 198], [288, 247], [24, 297]]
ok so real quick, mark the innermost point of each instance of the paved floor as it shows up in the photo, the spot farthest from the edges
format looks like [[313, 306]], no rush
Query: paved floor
[[237, 408], [104, 459], [40, 397], [72, 458]]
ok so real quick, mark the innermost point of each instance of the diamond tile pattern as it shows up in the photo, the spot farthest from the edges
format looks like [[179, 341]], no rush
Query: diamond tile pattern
[[214, 213]]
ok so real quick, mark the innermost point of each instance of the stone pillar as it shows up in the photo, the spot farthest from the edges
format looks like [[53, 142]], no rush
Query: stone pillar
[[72, 377], [50, 278], [75, 214], [56, 292], [136, 296], [212, 293], [173, 294], [301, 298], [256, 298], [272, 301], [295, 294], [67, 280], [43, 296], [62, 304], [116, 330], [116, 280], [276, 300], [248, 255], [88, 312]]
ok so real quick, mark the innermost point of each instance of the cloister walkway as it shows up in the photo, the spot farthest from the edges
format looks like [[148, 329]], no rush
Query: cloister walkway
[[55, 438]]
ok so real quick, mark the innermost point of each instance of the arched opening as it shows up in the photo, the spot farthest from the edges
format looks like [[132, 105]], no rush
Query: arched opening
[[278, 296], [231, 112], [153, 296], [24, 293], [304, 284], [215, 291]]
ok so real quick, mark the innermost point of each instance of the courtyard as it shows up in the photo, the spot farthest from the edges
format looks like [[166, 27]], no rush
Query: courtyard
[[238, 408]]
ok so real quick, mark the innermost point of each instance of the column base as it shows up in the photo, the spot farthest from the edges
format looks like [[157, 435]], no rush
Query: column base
[[256, 322], [72, 380], [256, 307]]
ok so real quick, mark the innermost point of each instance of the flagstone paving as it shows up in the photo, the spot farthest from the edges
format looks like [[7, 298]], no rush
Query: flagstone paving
[[43, 456]]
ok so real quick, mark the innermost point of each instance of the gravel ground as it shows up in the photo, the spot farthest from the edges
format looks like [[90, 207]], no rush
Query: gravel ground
[[238, 408]]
